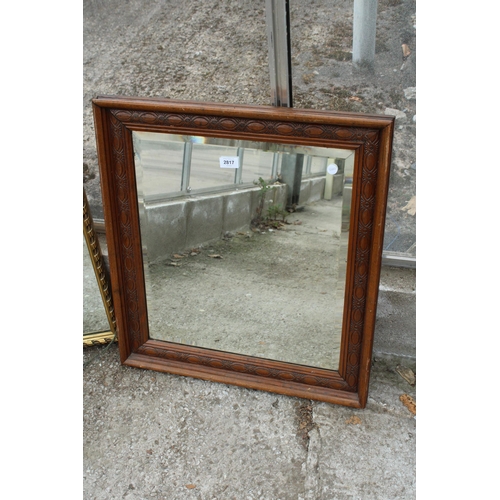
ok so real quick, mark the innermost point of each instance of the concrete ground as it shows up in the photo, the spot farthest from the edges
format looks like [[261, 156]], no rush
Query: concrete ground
[[151, 435]]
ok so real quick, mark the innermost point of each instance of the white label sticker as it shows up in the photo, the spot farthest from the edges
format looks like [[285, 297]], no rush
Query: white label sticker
[[332, 169], [229, 162]]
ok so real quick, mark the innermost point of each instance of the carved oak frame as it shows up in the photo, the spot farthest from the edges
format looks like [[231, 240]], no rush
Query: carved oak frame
[[370, 136]]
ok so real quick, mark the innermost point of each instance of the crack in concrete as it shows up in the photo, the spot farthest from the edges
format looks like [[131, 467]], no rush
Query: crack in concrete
[[310, 436], [313, 478]]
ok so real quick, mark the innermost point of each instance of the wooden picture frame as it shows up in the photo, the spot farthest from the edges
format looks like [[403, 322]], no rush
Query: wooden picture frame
[[370, 136]]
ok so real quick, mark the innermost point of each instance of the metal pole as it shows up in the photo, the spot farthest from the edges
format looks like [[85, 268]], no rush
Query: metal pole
[[280, 61], [186, 166], [274, 171], [239, 171], [364, 27], [308, 164], [280, 71]]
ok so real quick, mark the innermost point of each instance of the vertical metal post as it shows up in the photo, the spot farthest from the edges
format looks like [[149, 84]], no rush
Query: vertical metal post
[[276, 160], [308, 164], [364, 27], [186, 165], [291, 174], [280, 60], [239, 171], [338, 178], [280, 71]]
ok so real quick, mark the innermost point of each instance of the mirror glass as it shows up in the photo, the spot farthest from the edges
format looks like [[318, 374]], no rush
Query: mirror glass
[[94, 315], [245, 244]]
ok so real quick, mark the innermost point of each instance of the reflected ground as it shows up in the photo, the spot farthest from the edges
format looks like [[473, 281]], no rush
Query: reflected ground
[[273, 294], [94, 314]]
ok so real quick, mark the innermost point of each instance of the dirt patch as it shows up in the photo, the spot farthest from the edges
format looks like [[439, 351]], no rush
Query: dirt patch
[[354, 420], [305, 423]]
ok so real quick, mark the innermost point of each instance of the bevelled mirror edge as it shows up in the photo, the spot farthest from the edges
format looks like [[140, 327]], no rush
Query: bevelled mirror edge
[[115, 117]]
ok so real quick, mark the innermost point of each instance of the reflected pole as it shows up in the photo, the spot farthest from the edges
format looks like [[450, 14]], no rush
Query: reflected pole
[[280, 71]]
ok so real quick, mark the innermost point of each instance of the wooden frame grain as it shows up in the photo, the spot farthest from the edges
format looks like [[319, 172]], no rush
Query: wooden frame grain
[[370, 136]]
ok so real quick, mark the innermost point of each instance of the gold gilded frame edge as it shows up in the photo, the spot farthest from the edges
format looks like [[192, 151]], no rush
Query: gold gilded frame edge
[[101, 274]]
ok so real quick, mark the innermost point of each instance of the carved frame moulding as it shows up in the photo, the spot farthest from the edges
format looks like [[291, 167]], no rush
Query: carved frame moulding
[[369, 136]]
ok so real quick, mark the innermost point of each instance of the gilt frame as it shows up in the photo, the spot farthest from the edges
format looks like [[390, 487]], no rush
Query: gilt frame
[[102, 277], [370, 136]]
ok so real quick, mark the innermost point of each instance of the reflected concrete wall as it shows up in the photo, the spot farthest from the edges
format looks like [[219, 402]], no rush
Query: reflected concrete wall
[[177, 224], [311, 190]]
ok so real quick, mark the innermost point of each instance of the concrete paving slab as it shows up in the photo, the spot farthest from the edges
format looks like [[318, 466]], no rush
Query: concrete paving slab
[[151, 435]]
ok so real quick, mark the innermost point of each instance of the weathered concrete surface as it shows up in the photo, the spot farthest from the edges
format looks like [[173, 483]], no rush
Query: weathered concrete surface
[[150, 435], [312, 190], [156, 436], [395, 329]]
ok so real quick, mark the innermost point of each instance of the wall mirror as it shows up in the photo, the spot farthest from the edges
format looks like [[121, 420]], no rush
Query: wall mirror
[[245, 242]]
